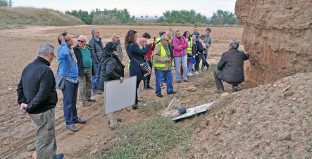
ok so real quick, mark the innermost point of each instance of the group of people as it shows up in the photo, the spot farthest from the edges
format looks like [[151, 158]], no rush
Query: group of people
[[88, 66]]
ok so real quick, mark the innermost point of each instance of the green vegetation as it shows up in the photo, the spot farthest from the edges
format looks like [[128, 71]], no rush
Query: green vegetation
[[172, 18], [221, 17], [34, 16], [147, 139], [6, 3], [98, 17]]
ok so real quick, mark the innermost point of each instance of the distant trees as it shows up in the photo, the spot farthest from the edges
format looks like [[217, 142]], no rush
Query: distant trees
[[114, 16], [221, 17], [182, 16], [6, 3], [83, 15]]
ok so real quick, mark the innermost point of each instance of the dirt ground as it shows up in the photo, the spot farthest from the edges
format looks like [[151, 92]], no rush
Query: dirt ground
[[19, 47]]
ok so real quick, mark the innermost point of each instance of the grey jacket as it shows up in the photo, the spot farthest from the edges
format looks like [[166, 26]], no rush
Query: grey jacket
[[232, 66], [97, 48], [207, 40]]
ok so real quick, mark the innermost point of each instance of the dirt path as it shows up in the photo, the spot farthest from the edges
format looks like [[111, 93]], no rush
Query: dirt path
[[19, 47]]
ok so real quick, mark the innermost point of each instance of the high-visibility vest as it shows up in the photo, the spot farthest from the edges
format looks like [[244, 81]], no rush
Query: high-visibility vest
[[163, 53], [157, 40], [129, 58], [190, 45]]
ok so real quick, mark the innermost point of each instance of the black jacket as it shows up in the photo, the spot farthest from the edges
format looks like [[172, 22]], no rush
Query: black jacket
[[37, 87], [232, 66], [78, 55], [198, 47], [112, 68]]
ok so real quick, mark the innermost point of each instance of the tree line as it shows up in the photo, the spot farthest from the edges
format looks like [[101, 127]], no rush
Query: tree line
[[6, 3], [116, 16]]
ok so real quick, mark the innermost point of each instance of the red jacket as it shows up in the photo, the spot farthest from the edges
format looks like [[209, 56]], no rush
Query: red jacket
[[149, 54]]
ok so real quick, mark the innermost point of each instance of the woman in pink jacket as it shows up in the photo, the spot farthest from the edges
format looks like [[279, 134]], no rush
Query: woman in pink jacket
[[180, 55]]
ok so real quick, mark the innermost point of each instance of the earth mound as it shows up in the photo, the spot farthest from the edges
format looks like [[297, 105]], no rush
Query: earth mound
[[269, 121], [35, 16]]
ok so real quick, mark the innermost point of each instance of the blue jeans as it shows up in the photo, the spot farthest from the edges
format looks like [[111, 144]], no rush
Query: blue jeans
[[190, 68], [204, 60], [178, 61], [159, 76], [69, 102], [96, 77]]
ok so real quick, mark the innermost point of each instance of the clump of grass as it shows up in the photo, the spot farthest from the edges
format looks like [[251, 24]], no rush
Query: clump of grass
[[146, 139], [152, 106]]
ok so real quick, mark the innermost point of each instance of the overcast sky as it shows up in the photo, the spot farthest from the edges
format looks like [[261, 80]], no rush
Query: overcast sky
[[135, 7]]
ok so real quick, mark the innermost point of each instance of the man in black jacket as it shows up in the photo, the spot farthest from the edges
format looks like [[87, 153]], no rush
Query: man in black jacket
[[37, 96], [231, 68], [85, 70]]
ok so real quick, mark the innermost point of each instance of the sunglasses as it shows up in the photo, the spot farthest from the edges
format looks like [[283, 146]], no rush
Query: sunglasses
[[80, 41]]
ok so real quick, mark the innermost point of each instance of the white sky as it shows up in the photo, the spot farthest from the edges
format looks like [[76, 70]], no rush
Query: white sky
[[135, 7]]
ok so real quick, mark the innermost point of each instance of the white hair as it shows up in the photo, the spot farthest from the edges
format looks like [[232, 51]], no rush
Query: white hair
[[45, 49], [82, 36]]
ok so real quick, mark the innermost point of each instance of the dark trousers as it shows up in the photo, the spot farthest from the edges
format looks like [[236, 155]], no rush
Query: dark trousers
[[197, 61], [136, 92], [218, 80], [69, 102]]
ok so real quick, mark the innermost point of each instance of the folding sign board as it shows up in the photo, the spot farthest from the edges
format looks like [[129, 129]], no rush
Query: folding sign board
[[195, 110], [118, 95]]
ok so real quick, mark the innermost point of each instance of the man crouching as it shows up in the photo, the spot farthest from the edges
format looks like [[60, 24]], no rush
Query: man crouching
[[231, 68]]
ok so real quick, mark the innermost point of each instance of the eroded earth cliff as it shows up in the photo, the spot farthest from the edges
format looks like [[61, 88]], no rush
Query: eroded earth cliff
[[278, 37]]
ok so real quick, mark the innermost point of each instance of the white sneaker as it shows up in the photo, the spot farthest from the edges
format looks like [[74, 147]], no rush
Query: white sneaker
[[196, 72], [189, 74]]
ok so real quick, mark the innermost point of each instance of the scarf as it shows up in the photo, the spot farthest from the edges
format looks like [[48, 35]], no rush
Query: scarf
[[72, 54]]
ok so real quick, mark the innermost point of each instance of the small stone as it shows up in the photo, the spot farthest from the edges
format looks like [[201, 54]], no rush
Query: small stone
[[191, 89], [282, 85], [233, 152], [224, 94], [88, 137], [244, 102], [10, 89], [31, 147], [258, 153], [288, 93], [274, 85], [93, 151]]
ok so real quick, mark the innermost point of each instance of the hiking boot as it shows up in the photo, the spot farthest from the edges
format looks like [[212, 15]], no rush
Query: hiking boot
[[80, 121], [149, 87], [179, 81], [72, 127], [186, 81], [86, 104], [91, 100], [172, 92], [235, 88], [159, 95], [97, 92]]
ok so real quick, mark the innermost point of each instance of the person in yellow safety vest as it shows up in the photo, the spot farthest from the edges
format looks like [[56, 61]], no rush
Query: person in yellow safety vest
[[189, 52], [162, 64], [160, 34]]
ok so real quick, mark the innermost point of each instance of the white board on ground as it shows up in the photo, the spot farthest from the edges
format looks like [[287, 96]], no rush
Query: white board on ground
[[118, 95], [195, 110]]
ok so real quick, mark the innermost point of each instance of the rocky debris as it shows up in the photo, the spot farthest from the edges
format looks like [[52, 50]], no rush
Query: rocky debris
[[276, 36], [260, 122], [31, 147], [191, 89]]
